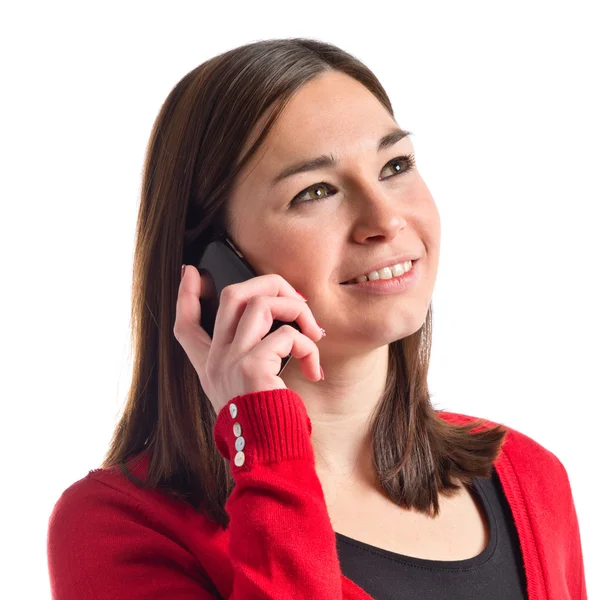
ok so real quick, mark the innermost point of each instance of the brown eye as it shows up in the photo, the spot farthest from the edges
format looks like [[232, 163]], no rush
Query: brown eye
[[399, 165], [320, 195]]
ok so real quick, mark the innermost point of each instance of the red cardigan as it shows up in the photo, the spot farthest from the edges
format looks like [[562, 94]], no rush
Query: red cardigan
[[108, 539]]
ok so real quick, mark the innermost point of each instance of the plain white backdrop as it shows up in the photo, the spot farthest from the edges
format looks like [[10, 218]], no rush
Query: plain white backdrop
[[503, 100]]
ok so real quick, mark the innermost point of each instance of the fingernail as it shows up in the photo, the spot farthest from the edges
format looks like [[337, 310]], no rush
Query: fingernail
[[322, 331], [182, 270], [322, 374], [301, 296]]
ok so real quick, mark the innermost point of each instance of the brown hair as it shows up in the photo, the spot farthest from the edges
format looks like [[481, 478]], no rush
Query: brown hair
[[191, 163]]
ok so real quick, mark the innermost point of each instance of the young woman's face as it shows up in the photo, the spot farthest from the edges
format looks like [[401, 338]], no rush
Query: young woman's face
[[321, 227]]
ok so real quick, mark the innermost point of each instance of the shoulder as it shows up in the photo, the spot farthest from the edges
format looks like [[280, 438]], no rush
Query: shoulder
[[538, 489], [105, 531], [106, 502], [97, 489], [112, 493], [105, 514], [87, 522], [89, 506], [526, 455]]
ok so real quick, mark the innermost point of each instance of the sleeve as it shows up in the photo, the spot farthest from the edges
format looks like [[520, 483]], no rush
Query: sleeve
[[282, 543], [101, 545]]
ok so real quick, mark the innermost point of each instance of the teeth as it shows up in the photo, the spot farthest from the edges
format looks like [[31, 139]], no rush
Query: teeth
[[385, 273]]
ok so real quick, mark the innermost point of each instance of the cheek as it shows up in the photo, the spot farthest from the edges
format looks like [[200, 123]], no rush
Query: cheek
[[429, 219], [307, 251], [434, 225], [303, 259]]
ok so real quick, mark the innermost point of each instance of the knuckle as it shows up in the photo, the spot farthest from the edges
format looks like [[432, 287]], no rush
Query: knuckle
[[288, 329], [258, 301], [230, 292], [262, 306]]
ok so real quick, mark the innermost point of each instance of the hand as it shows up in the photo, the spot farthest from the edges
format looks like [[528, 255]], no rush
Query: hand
[[237, 360]]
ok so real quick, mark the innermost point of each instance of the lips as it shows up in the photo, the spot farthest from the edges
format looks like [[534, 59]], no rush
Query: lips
[[413, 260]]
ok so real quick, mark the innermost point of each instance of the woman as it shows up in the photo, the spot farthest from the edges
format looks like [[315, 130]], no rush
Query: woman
[[336, 479]]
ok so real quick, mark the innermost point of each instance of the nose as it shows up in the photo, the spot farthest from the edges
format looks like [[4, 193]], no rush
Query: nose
[[379, 213]]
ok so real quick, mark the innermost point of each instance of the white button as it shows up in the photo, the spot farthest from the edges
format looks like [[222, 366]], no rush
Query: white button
[[240, 443], [233, 411], [239, 459], [237, 429]]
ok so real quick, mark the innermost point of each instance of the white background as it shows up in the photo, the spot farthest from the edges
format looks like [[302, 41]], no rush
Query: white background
[[503, 100]]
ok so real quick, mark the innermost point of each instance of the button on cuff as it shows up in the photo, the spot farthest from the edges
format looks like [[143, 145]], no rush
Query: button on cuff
[[239, 459]]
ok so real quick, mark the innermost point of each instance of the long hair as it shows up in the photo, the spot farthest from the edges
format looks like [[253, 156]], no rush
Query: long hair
[[191, 161]]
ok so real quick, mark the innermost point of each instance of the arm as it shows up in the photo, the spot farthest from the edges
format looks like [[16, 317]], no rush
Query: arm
[[103, 545], [282, 544]]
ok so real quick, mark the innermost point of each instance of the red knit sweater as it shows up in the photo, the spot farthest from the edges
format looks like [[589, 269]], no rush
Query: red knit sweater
[[109, 539]]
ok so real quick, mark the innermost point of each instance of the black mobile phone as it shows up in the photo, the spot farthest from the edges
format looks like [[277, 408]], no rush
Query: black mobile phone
[[221, 265]]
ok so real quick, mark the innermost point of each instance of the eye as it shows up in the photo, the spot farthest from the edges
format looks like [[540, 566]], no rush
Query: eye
[[400, 165]]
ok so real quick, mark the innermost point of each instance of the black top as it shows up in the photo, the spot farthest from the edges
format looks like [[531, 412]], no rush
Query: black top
[[495, 574]]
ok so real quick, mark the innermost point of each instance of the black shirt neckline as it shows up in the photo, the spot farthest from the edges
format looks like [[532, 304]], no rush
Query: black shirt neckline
[[443, 565]]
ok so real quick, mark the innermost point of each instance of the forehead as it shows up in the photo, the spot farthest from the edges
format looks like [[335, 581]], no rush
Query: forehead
[[332, 113]]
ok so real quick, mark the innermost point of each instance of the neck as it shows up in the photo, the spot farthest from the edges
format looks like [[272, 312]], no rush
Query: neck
[[339, 408]]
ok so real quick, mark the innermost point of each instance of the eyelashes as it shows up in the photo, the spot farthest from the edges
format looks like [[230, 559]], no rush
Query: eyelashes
[[407, 159]]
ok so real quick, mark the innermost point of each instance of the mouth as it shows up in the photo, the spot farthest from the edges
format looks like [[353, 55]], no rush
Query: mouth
[[354, 280]]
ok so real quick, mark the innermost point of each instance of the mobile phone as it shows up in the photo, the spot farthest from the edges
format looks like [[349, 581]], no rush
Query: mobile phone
[[221, 265]]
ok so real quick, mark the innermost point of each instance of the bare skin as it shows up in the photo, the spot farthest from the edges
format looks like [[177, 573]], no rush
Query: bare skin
[[366, 212], [364, 513]]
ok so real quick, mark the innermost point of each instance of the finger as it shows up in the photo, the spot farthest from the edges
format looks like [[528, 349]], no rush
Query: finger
[[287, 340], [234, 298], [261, 311], [187, 330]]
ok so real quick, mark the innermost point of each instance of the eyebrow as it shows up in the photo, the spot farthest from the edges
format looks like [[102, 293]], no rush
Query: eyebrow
[[328, 160]]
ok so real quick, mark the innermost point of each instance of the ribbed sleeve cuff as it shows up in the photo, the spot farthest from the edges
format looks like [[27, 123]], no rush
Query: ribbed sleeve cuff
[[262, 427]]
